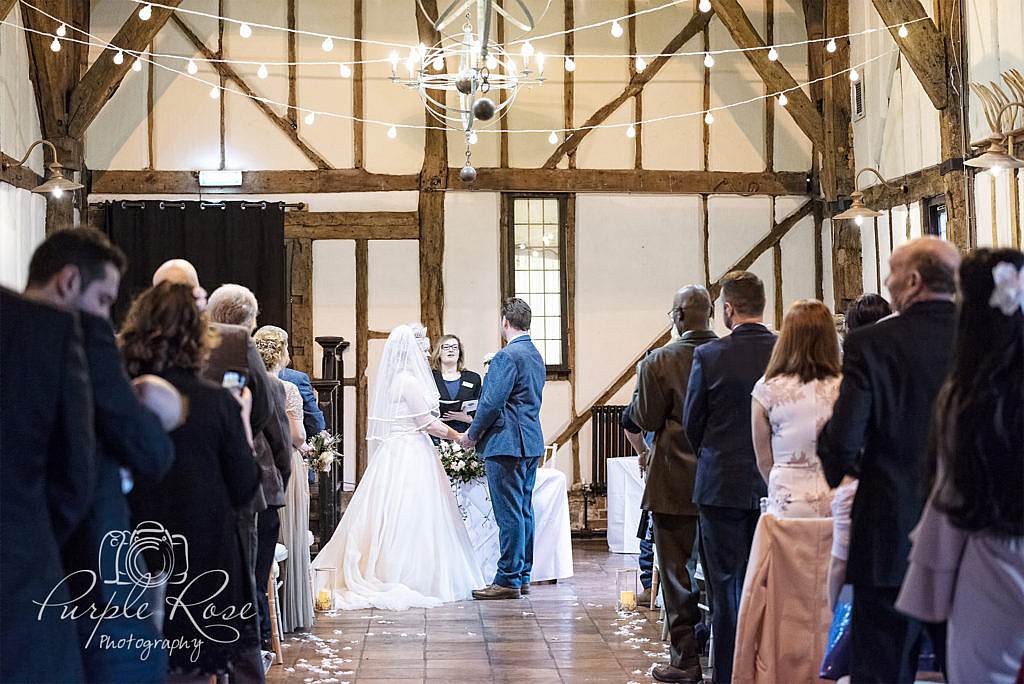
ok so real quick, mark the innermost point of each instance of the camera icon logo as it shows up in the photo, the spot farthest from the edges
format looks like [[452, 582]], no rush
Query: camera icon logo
[[148, 556]]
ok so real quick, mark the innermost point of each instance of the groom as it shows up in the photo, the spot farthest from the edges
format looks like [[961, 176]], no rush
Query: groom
[[508, 423]]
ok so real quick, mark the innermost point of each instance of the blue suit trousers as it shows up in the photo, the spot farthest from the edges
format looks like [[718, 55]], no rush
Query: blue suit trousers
[[510, 480]]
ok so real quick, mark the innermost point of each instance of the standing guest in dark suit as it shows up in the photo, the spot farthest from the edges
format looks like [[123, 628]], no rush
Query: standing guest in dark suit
[[46, 461], [729, 487], [128, 436], [507, 424], [312, 416], [454, 382], [892, 372], [668, 494], [213, 478]]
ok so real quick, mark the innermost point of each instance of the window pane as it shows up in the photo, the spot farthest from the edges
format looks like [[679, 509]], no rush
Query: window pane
[[552, 281], [522, 282], [554, 328], [553, 357], [536, 281]]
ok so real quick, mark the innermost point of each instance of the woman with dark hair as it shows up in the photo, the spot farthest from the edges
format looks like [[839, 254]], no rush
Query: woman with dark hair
[[784, 615], [190, 515], [967, 562], [867, 309], [455, 384]]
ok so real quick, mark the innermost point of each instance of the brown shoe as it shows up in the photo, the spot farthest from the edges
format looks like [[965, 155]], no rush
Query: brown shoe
[[496, 592], [524, 588], [670, 673], [643, 599]]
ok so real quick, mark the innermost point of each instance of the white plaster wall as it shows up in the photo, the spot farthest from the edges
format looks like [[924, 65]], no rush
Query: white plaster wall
[[992, 208], [735, 225], [792, 147], [737, 135]]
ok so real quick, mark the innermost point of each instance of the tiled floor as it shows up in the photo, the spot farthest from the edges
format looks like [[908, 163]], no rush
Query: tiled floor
[[569, 632]]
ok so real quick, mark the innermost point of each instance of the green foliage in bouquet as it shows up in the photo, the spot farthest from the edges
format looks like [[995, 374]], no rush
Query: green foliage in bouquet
[[461, 465], [323, 451]]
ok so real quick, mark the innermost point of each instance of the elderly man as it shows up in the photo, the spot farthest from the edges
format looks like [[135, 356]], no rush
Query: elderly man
[[662, 382], [892, 372]]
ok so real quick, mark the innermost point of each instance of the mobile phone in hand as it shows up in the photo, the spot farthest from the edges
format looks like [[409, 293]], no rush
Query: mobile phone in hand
[[234, 381]]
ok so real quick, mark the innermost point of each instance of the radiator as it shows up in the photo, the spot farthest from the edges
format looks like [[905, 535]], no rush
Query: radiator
[[609, 441]]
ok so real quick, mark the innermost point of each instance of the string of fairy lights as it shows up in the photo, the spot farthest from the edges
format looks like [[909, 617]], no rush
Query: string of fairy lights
[[310, 115]]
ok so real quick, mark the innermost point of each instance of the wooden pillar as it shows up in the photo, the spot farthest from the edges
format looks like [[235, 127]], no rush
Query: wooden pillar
[[952, 129], [299, 252]]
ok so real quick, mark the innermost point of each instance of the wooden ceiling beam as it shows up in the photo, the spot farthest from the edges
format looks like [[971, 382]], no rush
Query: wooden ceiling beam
[[775, 183], [19, 176], [636, 85], [5, 7], [104, 77], [228, 72], [923, 48], [352, 225], [776, 77]]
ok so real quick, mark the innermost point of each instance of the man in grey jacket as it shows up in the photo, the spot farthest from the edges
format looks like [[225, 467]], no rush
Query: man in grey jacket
[[657, 407]]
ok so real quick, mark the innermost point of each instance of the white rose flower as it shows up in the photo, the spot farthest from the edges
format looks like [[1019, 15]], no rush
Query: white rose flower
[[459, 465]]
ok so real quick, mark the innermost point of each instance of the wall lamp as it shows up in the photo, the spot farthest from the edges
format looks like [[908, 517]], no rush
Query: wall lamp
[[55, 183], [857, 211], [997, 157]]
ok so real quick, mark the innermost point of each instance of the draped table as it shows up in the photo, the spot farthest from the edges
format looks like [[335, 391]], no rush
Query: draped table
[[625, 492], [552, 544]]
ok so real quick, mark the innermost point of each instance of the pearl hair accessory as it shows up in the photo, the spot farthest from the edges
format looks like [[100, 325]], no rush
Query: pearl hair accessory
[[1008, 293]]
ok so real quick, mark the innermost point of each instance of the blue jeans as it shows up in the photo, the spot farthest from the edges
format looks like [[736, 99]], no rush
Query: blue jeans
[[646, 560], [510, 481]]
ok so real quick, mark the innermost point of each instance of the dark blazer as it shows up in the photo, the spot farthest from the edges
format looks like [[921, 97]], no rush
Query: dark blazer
[[470, 388], [312, 416], [717, 416], [507, 421], [46, 461], [892, 372], [660, 391]]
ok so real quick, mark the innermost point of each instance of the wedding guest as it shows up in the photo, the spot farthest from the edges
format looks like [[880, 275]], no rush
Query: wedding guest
[[312, 417], [867, 309], [892, 372], [784, 614], [128, 436], [233, 304], [297, 602], [46, 462], [728, 487], [662, 382], [213, 477], [967, 561], [454, 382]]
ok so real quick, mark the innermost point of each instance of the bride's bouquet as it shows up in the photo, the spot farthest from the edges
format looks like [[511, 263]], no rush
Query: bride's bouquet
[[323, 451], [461, 465]]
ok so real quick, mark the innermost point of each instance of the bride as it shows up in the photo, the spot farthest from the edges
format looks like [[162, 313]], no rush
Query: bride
[[402, 543]]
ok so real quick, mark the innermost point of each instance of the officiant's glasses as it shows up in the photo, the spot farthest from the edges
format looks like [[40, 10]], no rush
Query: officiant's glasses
[[451, 346]]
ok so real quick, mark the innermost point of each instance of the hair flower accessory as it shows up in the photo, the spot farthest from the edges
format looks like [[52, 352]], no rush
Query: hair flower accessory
[[1008, 293]]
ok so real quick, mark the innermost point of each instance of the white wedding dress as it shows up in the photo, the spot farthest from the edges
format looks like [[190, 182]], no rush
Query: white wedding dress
[[401, 542]]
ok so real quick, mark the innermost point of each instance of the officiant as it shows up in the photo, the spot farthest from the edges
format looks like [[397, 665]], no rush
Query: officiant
[[459, 388]]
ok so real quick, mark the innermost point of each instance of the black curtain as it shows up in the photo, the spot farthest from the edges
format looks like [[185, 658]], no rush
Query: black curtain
[[227, 242]]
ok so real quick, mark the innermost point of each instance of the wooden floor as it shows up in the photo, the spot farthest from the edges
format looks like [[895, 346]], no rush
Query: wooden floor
[[569, 632]]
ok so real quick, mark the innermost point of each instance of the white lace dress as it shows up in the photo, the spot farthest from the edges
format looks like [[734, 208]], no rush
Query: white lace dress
[[297, 596], [797, 411]]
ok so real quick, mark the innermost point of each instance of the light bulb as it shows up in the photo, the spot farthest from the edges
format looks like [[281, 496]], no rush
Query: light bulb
[[55, 45], [996, 171], [137, 65], [540, 62], [191, 67], [859, 220], [616, 29], [854, 75], [473, 138], [903, 32], [118, 57], [492, 62], [527, 50], [709, 118], [392, 132], [310, 118], [62, 30], [344, 70], [783, 100], [640, 64], [831, 45], [704, 6], [245, 30], [438, 63], [328, 44], [146, 12], [570, 65], [214, 93], [57, 193], [773, 54], [631, 131], [709, 60], [553, 139], [393, 58], [262, 71]]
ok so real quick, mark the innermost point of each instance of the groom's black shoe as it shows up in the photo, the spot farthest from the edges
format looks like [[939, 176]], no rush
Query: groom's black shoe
[[675, 675], [496, 592], [524, 588]]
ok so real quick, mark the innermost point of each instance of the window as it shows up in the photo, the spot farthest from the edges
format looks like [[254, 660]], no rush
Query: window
[[934, 216], [535, 248]]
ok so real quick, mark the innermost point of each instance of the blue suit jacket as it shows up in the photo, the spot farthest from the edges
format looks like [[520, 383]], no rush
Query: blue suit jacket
[[312, 416], [717, 416], [507, 421]]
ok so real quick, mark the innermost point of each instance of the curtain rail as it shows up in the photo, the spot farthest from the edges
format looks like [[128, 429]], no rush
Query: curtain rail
[[180, 204]]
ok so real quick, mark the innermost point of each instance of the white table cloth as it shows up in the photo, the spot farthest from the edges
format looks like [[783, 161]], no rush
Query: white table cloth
[[552, 544], [625, 492]]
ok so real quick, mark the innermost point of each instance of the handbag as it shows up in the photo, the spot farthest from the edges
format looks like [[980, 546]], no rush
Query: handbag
[[839, 648]]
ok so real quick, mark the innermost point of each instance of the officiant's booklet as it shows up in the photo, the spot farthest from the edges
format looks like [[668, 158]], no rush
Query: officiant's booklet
[[466, 406]]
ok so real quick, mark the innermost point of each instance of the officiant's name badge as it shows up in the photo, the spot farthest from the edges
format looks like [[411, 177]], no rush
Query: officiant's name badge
[[124, 559]]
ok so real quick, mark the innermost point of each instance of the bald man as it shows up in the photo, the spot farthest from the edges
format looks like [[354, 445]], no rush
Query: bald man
[[657, 407], [892, 372], [184, 273]]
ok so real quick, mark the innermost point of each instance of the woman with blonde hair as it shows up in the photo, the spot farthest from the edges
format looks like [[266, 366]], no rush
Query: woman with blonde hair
[[297, 598], [459, 388], [784, 611]]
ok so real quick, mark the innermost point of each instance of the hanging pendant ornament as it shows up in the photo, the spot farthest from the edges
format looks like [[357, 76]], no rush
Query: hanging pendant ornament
[[467, 174], [483, 109], [464, 84]]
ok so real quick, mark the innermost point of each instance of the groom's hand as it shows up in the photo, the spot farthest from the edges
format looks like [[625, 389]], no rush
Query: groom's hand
[[465, 442]]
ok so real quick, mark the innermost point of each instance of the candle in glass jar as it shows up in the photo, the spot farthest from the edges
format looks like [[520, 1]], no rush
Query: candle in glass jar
[[323, 600], [627, 600]]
